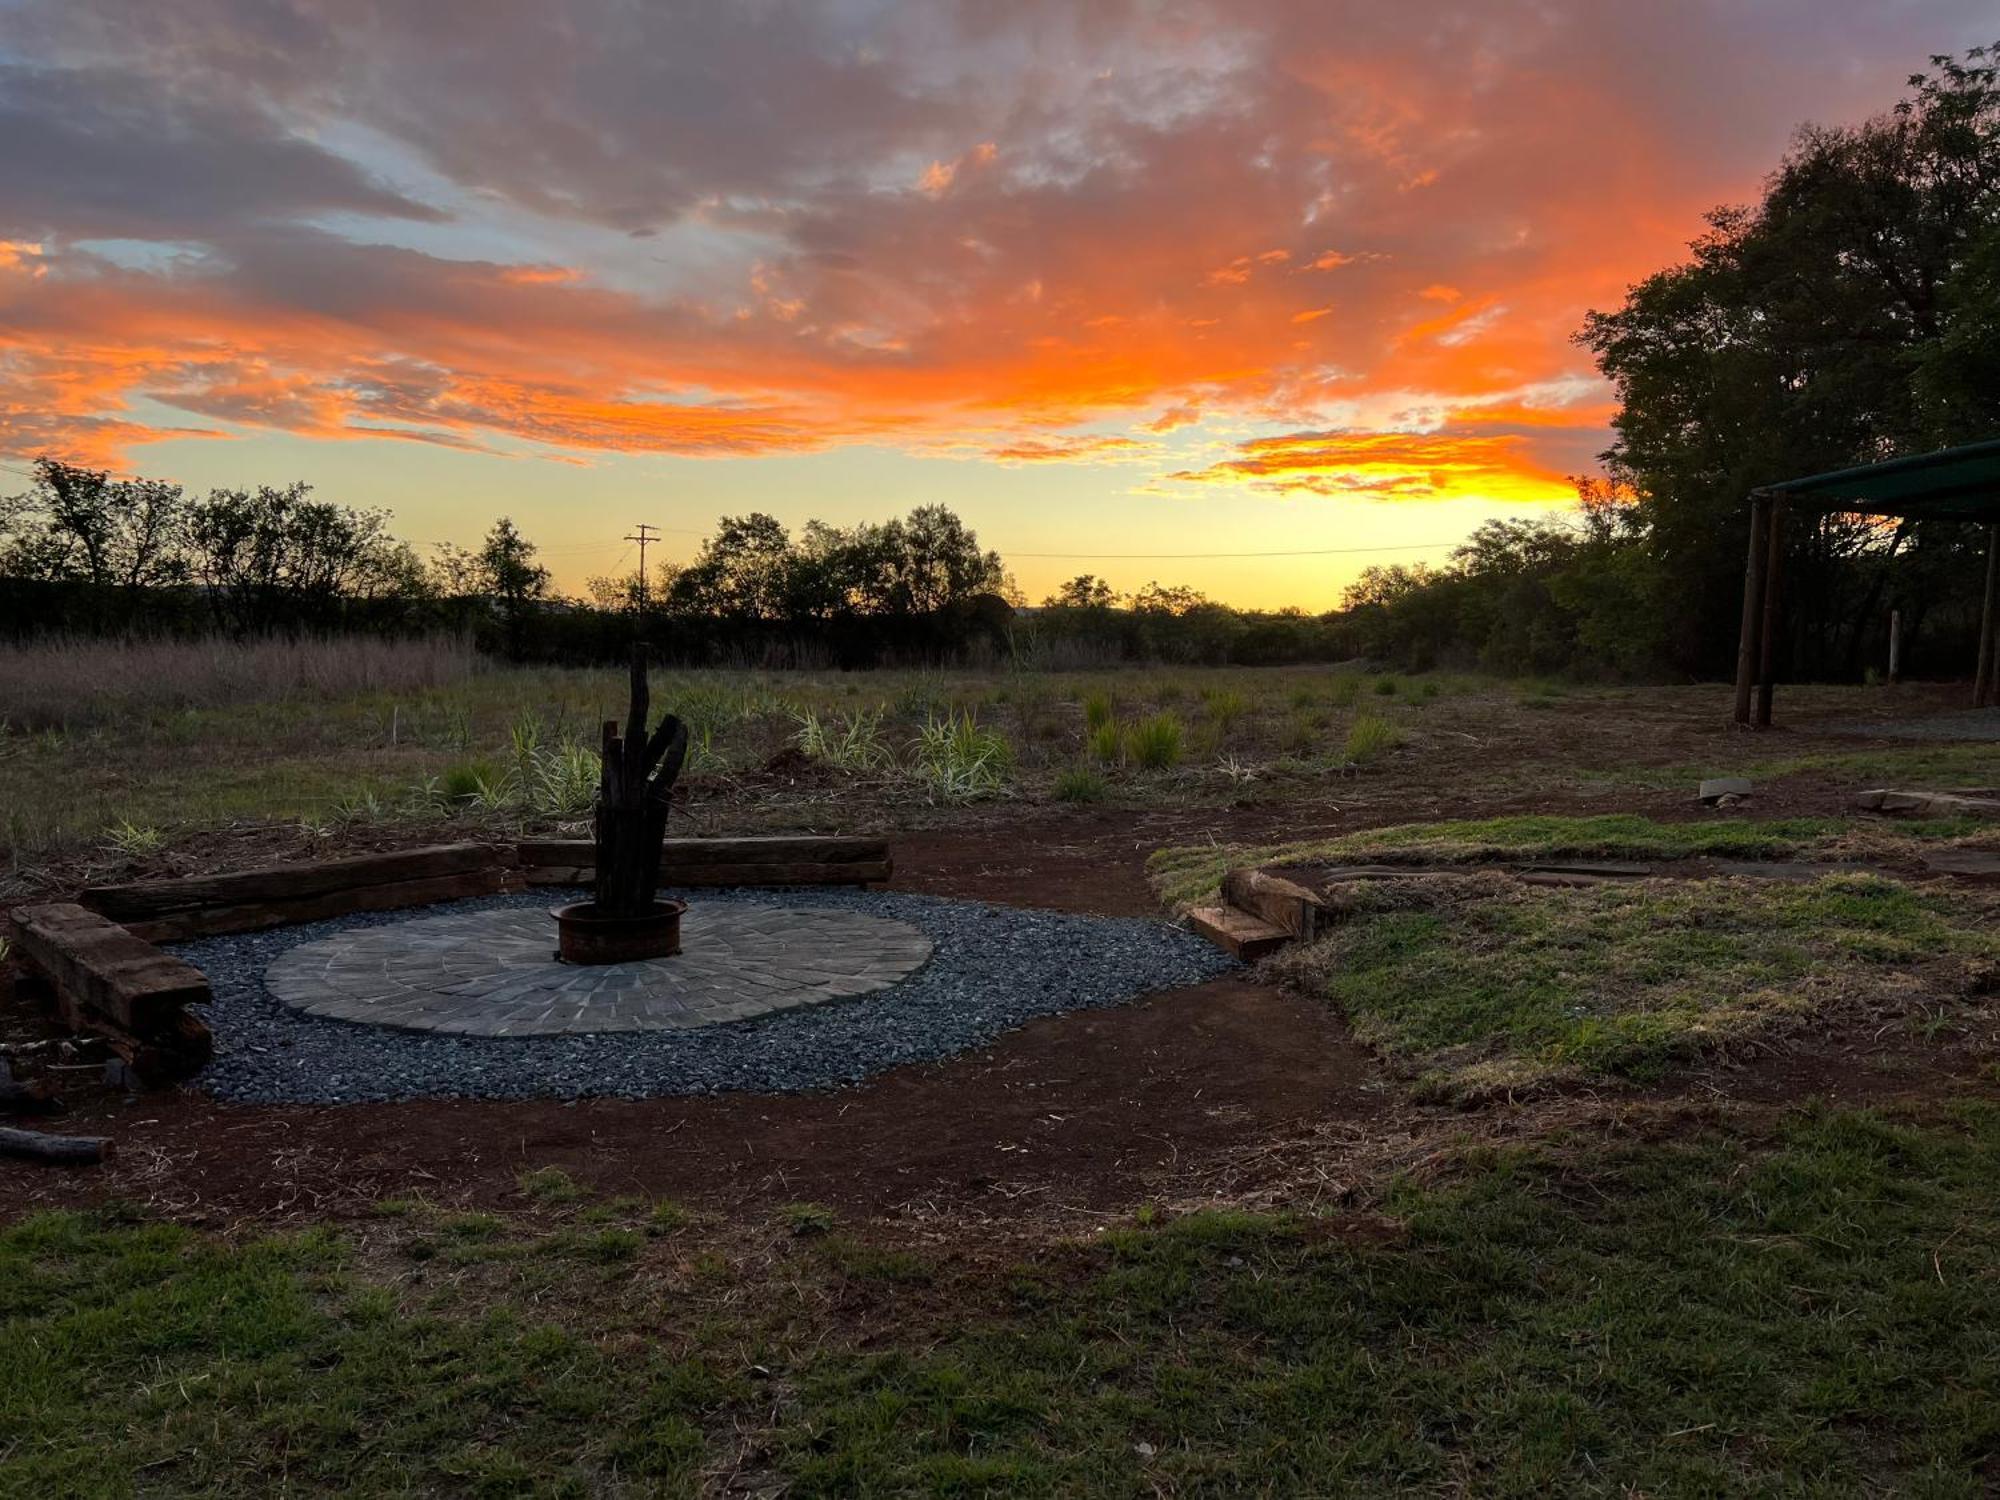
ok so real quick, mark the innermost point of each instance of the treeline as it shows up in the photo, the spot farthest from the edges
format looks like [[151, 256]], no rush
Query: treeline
[[85, 554], [1850, 316]]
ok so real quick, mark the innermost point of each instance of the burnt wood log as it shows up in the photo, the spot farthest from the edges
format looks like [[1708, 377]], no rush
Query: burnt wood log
[[35, 1097], [59, 1150], [633, 795]]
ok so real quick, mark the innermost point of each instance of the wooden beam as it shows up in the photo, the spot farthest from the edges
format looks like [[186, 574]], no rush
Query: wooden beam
[[255, 916], [277, 883], [1986, 677], [1749, 643], [98, 967], [773, 849], [1767, 650]]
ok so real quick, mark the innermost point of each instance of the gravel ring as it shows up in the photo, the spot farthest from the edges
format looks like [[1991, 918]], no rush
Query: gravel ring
[[1971, 725], [994, 968]]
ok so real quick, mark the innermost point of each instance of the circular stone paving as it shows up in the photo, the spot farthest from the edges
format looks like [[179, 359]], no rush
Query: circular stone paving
[[493, 974]]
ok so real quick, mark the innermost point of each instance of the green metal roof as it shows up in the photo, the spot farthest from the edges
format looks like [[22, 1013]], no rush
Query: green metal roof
[[1952, 484]]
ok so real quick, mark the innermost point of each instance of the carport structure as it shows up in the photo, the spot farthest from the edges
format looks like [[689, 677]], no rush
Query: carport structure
[[1952, 484]]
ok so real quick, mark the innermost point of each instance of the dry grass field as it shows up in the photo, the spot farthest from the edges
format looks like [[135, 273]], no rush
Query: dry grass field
[[1663, 1187]]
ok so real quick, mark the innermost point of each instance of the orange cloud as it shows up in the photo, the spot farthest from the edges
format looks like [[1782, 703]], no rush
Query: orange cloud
[[1389, 465], [645, 264]]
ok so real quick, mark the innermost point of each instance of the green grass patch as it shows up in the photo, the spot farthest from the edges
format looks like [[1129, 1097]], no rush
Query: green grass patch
[[1485, 984], [1933, 766], [1189, 875], [1805, 1313]]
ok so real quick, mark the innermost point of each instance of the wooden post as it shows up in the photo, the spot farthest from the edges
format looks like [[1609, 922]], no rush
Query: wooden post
[[1748, 645], [1895, 647], [1767, 650], [1986, 677]]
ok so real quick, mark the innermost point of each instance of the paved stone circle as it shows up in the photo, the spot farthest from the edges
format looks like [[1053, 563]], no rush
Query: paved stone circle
[[493, 973]]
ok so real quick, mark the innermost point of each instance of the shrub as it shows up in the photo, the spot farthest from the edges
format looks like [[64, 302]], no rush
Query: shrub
[[1154, 743], [806, 1218], [1385, 687], [130, 838], [1370, 737], [850, 741], [1224, 707], [1097, 711], [1081, 784], [960, 760]]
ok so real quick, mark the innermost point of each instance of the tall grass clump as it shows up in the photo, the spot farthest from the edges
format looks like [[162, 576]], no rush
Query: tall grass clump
[[70, 682], [958, 760], [1081, 784], [1154, 743], [1097, 711], [1343, 690], [1223, 707], [850, 741], [1370, 737], [1106, 742]]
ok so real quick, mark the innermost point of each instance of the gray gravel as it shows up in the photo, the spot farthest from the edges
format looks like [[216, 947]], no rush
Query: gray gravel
[[1965, 724], [994, 968]]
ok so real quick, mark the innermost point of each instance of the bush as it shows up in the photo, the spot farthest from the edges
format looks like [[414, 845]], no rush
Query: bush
[[1081, 784], [1154, 743], [1385, 687], [960, 760], [1370, 737], [1224, 707]]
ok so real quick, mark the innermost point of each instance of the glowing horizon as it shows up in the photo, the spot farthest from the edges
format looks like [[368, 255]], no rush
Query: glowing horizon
[[1239, 277]]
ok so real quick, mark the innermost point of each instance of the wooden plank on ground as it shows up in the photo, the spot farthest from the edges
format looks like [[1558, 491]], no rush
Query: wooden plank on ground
[[99, 967], [1273, 899], [254, 916], [1237, 932], [1966, 864], [271, 884], [708, 876], [758, 849]]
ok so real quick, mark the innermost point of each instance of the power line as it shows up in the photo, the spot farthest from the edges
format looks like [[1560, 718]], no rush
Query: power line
[[644, 539], [1206, 556]]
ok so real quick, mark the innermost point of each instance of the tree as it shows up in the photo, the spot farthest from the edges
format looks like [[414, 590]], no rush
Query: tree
[[1835, 323], [271, 557], [80, 525], [512, 579], [1085, 591]]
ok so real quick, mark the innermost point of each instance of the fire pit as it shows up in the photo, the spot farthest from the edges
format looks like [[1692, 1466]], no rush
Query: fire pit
[[587, 938], [626, 923]]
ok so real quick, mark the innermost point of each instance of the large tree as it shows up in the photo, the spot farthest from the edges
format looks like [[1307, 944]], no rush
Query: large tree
[[1837, 322]]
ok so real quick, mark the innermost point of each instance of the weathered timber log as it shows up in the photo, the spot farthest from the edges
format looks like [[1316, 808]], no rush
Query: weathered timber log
[[1237, 932], [37, 1096], [634, 793], [254, 916], [59, 1150], [1275, 900], [705, 877], [777, 848], [100, 968], [275, 884]]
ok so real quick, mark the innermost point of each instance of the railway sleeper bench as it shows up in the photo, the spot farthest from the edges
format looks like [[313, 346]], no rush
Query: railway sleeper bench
[[111, 983]]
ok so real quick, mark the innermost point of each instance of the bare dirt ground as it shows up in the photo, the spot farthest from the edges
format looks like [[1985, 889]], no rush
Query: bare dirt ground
[[1232, 1087]]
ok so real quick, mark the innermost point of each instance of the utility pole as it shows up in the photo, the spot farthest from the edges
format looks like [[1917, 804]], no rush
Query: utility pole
[[642, 539]]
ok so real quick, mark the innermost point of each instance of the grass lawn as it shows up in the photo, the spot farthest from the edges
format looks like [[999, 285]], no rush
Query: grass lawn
[[1804, 1309], [1189, 875], [1483, 984]]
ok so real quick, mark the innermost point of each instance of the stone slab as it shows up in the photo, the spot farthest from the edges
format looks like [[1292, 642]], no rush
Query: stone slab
[[493, 973]]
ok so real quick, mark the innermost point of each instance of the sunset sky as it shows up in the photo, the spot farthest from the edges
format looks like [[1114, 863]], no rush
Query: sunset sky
[[1108, 278]]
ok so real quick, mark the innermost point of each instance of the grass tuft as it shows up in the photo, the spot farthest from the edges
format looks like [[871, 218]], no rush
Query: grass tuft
[[1154, 743]]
